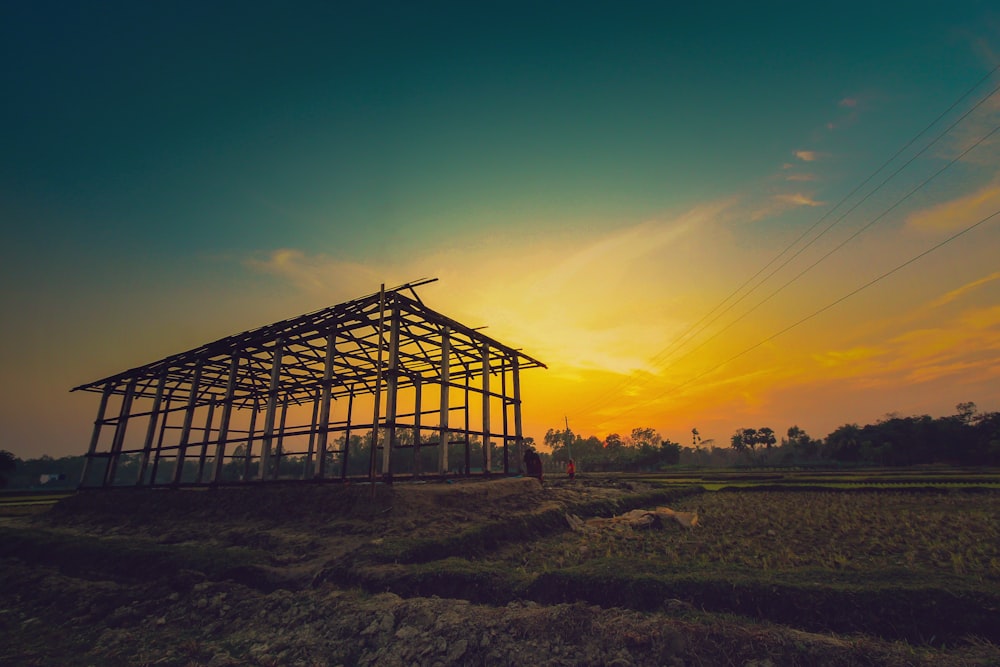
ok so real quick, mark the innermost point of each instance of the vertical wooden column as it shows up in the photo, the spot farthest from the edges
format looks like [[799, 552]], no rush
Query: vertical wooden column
[[186, 429], [324, 402], [443, 433], [95, 435], [487, 454], [119, 439], [227, 414], [506, 431], [205, 439], [347, 435], [391, 392], [518, 437], [279, 450], [159, 438], [468, 444], [248, 454], [417, 384], [272, 406], [154, 414], [378, 384], [311, 447]]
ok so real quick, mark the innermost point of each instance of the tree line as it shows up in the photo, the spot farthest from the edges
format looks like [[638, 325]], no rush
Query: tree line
[[968, 438]]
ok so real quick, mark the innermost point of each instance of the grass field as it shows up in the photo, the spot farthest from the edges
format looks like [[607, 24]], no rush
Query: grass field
[[926, 534], [874, 567]]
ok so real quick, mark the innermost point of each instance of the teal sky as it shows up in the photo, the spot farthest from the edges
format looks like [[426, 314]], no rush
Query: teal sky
[[157, 158]]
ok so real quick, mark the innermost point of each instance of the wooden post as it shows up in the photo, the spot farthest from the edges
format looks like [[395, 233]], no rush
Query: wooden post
[[272, 406], [417, 383], [487, 454], [445, 381], [205, 439], [154, 415], [378, 384], [392, 388], [324, 405], [347, 435], [119, 439], [506, 433], [468, 445], [248, 454], [311, 447], [227, 413], [186, 429], [159, 438], [279, 452], [518, 438], [95, 435]]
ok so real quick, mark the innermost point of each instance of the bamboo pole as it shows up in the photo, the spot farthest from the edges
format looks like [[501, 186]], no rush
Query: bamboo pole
[[192, 404], [378, 386], [227, 414], [487, 454], [444, 415], [96, 433], [119, 440], [154, 415], [392, 388], [324, 408], [272, 406]]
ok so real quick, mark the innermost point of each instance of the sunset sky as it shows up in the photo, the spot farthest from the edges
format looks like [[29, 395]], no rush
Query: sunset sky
[[589, 180]]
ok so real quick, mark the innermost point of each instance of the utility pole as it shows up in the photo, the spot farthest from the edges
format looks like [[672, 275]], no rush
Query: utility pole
[[566, 437]]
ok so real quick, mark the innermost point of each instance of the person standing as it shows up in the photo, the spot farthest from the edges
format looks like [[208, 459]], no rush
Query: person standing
[[571, 469]]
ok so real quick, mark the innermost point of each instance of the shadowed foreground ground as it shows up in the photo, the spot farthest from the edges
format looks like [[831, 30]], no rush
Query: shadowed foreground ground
[[403, 575]]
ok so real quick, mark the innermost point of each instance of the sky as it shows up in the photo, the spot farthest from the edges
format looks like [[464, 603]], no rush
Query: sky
[[698, 215]]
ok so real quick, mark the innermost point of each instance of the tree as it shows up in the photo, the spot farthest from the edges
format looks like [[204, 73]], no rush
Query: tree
[[670, 453], [747, 439], [802, 446], [843, 444], [8, 464], [644, 438], [965, 412], [613, 442], [744, 440]]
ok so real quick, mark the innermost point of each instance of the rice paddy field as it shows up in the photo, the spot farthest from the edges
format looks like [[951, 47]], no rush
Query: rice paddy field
[[808, 567], [879, 534]]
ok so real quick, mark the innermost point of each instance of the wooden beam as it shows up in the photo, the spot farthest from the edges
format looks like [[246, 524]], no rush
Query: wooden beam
[[443, 432]]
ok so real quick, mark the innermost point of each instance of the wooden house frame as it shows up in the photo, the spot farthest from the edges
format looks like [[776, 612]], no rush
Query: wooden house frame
[[290, 400]]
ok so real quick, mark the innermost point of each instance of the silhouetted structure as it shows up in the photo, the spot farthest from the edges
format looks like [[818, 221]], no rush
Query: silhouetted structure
[[290, 400]]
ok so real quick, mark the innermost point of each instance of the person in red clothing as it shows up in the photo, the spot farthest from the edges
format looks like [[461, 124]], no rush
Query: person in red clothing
[[571, 469]]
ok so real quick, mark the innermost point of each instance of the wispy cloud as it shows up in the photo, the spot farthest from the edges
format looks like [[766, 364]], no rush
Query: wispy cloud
[[798, 199], [964, 290], [848, 102], [318, 273], [802, 178], [809, 156], [957, 213], [979, 128], [781, 203]]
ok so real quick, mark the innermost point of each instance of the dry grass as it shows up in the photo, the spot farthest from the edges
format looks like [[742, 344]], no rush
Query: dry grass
[[933, 533]]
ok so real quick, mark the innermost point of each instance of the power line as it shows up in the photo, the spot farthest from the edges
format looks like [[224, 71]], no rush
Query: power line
[[684, 337], [840, 203], [844, 242], [816, 312], [833, 224]]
